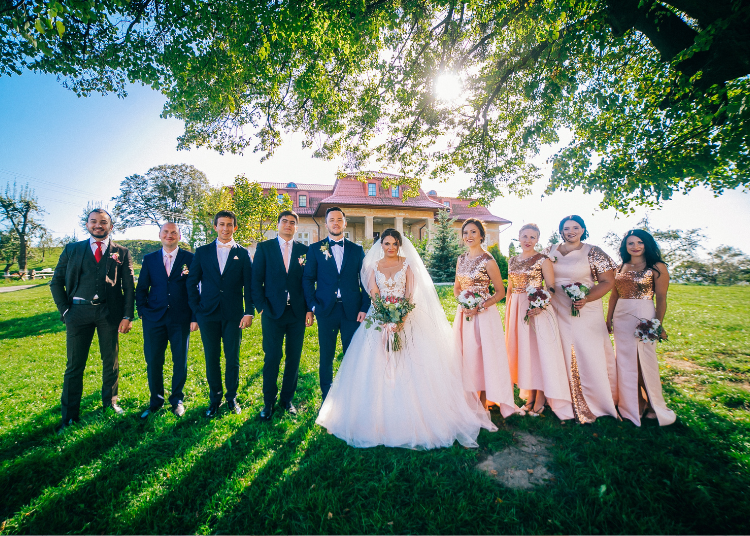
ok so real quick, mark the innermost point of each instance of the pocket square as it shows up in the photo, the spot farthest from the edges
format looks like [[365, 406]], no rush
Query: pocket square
[[236, 257]]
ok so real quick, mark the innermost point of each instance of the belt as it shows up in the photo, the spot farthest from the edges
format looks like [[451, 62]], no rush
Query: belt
[[79, 301]]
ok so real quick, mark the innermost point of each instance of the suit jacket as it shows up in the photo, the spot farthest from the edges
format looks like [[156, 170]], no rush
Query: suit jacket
[[221, 295], [271, 282], [119, 288], [321, 279], [160, 297]]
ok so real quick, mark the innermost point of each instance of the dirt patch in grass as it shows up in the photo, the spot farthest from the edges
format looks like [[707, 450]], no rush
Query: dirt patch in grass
[[522, 465]]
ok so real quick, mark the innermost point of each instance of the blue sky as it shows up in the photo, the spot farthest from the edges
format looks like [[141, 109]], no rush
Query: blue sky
[[73, 150]]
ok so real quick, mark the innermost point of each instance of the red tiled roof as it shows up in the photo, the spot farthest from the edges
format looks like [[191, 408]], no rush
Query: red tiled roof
[[300, 186], [482, 213]]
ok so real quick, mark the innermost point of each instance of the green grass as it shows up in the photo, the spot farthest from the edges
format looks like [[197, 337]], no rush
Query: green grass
[[235, 474]]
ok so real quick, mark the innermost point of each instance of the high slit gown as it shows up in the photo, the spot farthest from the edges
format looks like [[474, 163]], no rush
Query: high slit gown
[[635, 302]]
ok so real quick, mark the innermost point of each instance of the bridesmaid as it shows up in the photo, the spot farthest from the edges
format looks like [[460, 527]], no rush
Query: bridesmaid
[[485, 363], [642, 275], [589, 356], [537, 364]]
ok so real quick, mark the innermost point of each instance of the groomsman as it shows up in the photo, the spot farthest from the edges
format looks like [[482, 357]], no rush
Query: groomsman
[[162, 300], [277, 293], [224, 271], [334, 292], [94, 290]]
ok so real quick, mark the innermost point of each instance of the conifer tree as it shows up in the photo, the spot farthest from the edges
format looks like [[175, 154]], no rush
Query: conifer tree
[[445, 249]]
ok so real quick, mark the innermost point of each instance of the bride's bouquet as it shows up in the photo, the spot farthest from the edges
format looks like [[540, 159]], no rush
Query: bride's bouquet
[[469, 300], [648, 330], [576, 291], [538, 299], [388, 316]]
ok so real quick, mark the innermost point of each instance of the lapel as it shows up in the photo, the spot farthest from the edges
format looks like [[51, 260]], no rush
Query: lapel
[[80, 252], [230, 258], [332, 259], [296, 252], [347, 254], [278, 255], [214, 258], [110, 250], [176, 265]]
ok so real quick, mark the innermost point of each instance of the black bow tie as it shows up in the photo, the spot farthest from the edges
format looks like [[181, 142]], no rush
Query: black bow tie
[[339, 243]]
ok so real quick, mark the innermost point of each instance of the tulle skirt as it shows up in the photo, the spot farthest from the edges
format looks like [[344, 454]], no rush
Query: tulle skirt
[[412, 398], [485, 360], [633, 354], [535, 354]]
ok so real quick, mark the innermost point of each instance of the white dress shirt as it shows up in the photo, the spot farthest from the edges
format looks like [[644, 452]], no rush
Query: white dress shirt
[[338, 256], [93, 241], [222, 252], [282, 244], [169, 262]]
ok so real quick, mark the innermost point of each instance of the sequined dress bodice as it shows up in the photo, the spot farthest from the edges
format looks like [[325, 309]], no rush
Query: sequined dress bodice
[[472, 274], [635, 285], [392, 287], [525, 272]]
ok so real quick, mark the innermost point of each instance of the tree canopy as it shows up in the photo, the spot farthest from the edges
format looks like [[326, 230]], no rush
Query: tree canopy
[[651, 97]]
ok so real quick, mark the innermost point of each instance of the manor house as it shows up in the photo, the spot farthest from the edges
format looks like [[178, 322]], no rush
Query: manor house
[[371, 208]]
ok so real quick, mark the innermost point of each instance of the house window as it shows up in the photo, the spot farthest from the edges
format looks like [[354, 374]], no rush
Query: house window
[[302, 200], [347, 235], [372, 189], [281, 198], [394, 191], [447, 204], [304, 238]]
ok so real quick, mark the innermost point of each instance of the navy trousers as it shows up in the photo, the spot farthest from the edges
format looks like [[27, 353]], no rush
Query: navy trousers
[[156, 336], [274, 332], [328, 329], [213, 333]]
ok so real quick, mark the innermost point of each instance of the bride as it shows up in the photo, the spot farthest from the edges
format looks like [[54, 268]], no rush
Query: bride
[[413, 397]]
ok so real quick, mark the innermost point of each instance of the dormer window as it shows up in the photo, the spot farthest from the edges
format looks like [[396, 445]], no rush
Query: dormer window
[[291, 185], [281, 198], [372, 189], [447, 204], [302, 200], [394, 191]]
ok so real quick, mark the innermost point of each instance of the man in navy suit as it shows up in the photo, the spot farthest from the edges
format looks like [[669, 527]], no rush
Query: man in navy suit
[[162, 300], [277, 293], [334, 292], [224, 271]]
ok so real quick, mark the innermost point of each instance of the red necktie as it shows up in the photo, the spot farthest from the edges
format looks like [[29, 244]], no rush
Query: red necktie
[[98, 252]]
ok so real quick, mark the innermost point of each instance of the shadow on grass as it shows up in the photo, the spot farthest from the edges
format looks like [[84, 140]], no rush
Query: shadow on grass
[[31, 326]]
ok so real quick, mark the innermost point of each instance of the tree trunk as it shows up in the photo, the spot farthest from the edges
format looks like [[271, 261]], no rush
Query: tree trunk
[[22, 253]]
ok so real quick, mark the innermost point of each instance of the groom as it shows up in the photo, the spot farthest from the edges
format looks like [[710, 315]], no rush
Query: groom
[[334, 292]]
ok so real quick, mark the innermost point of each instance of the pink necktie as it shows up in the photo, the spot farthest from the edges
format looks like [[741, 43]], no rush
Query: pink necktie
[[286, 255], [98, 252], [168, 263]]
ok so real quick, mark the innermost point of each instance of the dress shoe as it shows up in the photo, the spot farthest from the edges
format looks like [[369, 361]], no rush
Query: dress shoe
[[178, 410], [266, 413], [114, 407], [234, 407], [65, 425], [212, 410], [289, 408], [148, 412]]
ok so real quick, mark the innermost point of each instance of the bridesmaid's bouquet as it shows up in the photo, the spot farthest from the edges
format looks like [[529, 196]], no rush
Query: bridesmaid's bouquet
[[648, 330], [469, 300], [538, 299], [388, 314], [576, 291]]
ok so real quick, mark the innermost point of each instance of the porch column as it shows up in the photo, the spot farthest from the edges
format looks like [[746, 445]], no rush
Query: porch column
[[400, 224], [368, 227]]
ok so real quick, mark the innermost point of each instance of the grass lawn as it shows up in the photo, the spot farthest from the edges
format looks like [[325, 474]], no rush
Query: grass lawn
[[235, 474]]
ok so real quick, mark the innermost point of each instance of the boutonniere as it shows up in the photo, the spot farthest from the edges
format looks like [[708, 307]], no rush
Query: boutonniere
[[553, 258], [185, 270], [326, 250], [302, 259], [115, 256]]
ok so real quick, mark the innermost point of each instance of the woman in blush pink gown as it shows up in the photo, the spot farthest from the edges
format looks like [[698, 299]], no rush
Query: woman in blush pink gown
[[479, 332], [589, 356], [642, 275], [537, 364]]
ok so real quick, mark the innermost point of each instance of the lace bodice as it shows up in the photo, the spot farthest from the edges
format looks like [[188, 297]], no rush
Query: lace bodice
[[525, 272], [472, 274], [634, 285], [394, 286]]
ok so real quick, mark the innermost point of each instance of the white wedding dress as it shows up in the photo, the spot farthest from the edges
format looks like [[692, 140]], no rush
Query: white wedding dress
[[413, 398]]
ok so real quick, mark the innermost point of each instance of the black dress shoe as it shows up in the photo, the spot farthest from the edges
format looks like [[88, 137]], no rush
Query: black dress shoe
[[178, 410], [115, 408], [212, 410], [266, 413], [234, 407], [150, 411], [289, 408], [65, 425]]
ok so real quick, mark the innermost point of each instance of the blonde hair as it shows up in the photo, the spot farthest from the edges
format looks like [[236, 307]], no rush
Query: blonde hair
[[532, 226]]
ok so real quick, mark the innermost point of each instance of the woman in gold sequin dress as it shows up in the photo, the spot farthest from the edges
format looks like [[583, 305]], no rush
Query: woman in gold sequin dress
[[589, 356], [479, 332], [537, 364], [642, 276]]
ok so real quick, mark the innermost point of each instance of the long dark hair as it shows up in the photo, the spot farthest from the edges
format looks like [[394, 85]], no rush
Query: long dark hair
[[651, 252], [394, 233], [579, 221]]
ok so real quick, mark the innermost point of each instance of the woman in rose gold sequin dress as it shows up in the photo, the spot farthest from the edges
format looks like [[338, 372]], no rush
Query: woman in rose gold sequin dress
[[537, 364], [642, 276], [479, 332], [589, 356]]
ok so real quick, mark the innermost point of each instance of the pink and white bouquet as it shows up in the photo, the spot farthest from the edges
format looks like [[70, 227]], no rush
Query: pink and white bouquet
[[648, 330], [388, 315], [469, 300], [538, 299], [576, 291]]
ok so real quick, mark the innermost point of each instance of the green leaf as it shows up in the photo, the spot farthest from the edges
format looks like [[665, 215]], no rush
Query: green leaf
[[60, 27]]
